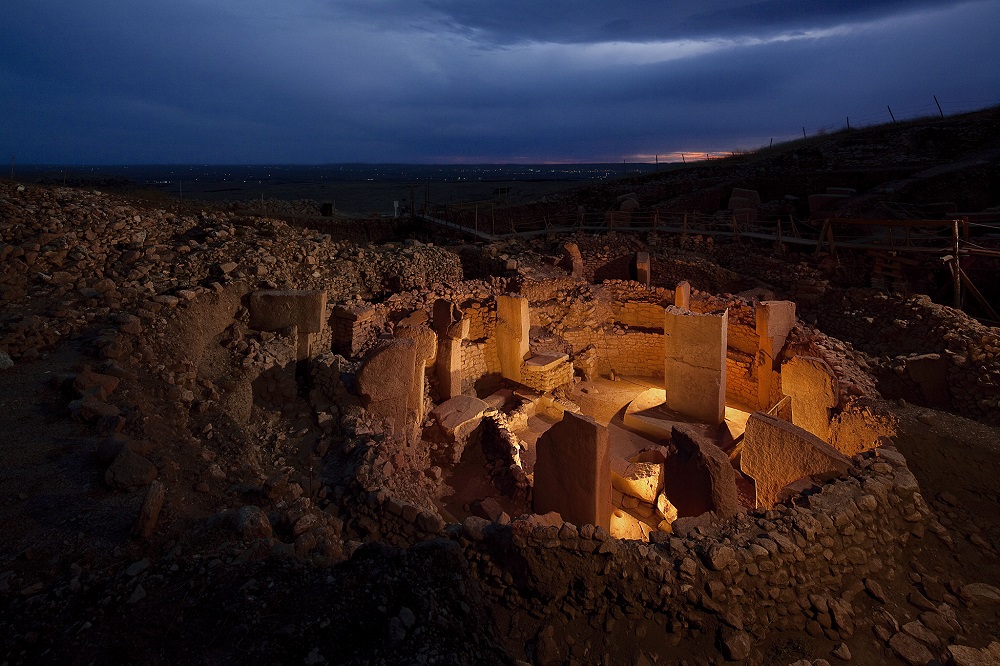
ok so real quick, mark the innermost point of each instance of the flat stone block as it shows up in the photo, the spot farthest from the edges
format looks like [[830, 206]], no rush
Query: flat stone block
[[776, 453], [275, 310]]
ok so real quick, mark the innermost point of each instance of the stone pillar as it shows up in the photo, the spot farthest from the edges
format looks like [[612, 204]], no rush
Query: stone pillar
[[573, 471], [426, 354], [451, 329], [682, 295], [572, 260], [775, 320], [643, 268], [384, 382], [695, 364], [813, 387], [513, 325]]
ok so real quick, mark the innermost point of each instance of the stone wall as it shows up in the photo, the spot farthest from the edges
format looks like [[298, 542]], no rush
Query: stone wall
[[627, 353], [783, 569], [741, 378], [640, 315], [479, 359]]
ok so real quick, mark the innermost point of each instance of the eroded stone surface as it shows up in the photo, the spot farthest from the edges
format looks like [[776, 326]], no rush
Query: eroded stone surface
[[776, 453]]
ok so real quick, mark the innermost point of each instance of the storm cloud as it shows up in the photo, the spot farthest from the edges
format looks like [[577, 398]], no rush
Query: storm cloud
[[311, 81]]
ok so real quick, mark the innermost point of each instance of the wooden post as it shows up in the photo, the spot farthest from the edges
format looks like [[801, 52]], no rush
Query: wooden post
[[938, 105], [848, 122], [829, 233], [890, 115], [803, 132], [957, 277]]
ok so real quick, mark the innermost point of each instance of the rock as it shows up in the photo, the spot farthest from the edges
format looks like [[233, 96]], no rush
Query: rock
[[252, 523], [137, 568], [130, 470], [875, 590], [910, 649], [641, 480], [138, 594], [150, 511], [841, 651], [735, 645], [963, 655], [5, 361], [981, 593], [718, 557]]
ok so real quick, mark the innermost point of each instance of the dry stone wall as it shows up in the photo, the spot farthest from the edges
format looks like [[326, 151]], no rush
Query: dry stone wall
[[754, 573]]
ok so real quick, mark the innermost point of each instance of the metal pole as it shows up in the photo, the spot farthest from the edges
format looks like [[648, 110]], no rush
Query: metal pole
[[803, 132], [938, 105], [890, 114], [957, 276], [848, 122]]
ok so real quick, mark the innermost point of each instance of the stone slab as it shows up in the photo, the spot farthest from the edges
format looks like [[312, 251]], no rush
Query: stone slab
[[572, 473], [459, 415], [384, 381], [812, 385], [698, 477], [276, 310], [776, 453]]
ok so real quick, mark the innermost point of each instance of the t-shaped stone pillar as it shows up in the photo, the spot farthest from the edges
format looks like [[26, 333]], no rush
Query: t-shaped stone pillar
[[695, 364], [682, 295], [775, 320], [813, 387], [451, 329], [513, 325], [642, 268], [426, 353]]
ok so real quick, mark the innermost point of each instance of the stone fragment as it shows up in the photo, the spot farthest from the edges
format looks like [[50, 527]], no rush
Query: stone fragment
[[910, 649], [627, 526], [150, 511], [735, 644], [963, 655], [666, 510], [459, 416], [776, 453], [130, 470], [812, 385], [981, 593], [251, 522], [5, 361], [699, 478], [643, 268], [573, 471], [682, 295], [572, 260], [695, 364], [641, 480]]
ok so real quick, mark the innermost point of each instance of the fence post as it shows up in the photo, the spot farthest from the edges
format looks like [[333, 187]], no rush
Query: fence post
[[957, 277]]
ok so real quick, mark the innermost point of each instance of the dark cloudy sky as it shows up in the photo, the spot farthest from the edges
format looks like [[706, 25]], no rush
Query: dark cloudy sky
[[313, 81]]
